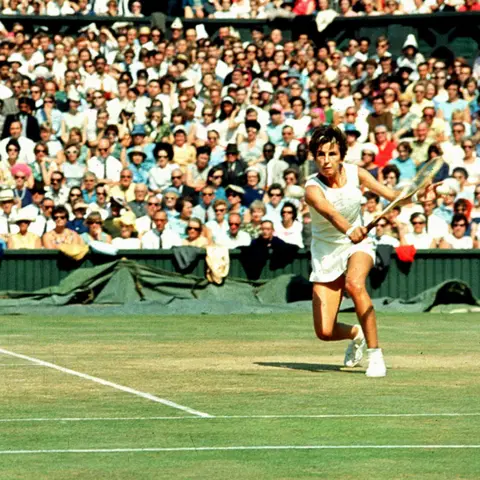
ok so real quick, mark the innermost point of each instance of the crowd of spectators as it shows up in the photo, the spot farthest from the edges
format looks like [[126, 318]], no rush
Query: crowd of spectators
[[131, 137]]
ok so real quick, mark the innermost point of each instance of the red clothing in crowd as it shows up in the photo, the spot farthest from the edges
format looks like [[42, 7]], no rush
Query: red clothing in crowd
[[304, 7], [385, 154], [474, 8]]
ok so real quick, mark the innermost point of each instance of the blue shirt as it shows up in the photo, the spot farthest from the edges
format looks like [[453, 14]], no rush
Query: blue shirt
[[407, 168], [448, 108]]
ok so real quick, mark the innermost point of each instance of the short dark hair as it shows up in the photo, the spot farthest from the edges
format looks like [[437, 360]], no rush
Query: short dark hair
[[372, 196], [328, 134], [457, 217], [461, 170], [293, 207], [59, 209], [391, 169], [204, 149], [163, 146]]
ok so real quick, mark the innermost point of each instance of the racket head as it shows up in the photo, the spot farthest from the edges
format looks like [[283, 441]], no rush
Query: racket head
[[423, 177]]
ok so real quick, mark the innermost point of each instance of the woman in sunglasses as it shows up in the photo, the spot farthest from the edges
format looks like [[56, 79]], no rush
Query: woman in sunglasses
[[458, 239], [194, 234], [60, 235], [72, 169], [94, 223], [419, 238]]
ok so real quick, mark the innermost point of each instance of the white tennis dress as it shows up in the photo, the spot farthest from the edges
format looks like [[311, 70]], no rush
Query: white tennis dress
[[327, 263]]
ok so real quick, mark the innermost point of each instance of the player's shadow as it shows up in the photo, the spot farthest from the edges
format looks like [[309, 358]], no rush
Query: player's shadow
[[309, 367]]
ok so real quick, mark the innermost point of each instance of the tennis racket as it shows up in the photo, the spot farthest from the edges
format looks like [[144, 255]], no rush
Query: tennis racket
[[420, 181]]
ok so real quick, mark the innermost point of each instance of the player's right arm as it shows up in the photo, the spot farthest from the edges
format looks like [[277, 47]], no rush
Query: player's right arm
[[316, 199]]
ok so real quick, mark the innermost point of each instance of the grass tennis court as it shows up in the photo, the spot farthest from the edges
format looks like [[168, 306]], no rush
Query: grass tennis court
[[236, 398]]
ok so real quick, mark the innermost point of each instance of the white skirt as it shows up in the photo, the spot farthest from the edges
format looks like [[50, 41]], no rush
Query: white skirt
[[328, 263]]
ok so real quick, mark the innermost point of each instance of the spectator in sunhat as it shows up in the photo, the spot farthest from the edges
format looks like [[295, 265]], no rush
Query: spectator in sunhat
[[23, 239]]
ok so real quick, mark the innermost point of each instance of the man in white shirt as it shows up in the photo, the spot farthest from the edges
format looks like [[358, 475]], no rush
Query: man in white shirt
[[43, 222], [161, 237], [57, 191], [27, 147], [100, 80], [234, 237], [105, 166], [436, 226], [7, 212]]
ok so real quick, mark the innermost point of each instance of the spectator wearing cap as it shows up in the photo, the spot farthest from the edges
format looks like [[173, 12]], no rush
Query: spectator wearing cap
[[139, 139], [26, 146], [276, 124], [128, 239], [354, 152], [184, 154], [77, 224], [369, 153], [126, 187], [139, 167], [23, 239], [233, 168], [30, 127], [22, 175], [235, 195], [106, 167], [7, 212]]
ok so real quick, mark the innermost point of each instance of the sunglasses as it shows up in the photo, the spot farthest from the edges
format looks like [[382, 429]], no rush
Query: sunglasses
[[48, 101], [287, 211], [12, 149], [381, 224], [103, 149], [162, 156], [459, 225], [48, 207], [56, 180], [418, 223], [220, 210], [233, 224], [59, 217], [208, 194], [176, 177], [275, 194], [41, 150], [74, 194], [126, 176], [94, 222], [154, 203], [194, 228]]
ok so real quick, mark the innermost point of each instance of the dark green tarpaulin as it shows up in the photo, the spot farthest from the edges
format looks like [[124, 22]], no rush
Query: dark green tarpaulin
[[126, 287]]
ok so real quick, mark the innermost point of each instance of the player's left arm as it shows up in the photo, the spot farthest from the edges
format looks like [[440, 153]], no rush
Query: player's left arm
[[368, 180]]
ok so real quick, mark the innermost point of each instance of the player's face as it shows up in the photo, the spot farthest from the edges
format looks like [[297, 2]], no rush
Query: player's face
[[328, 159]]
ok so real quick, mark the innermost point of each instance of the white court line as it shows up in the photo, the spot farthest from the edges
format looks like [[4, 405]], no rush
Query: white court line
[[235, 448], [230, 417], [106, 383]]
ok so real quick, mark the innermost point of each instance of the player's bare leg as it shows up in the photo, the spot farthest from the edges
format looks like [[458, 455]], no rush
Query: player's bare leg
[[326, 302], [359, 266]]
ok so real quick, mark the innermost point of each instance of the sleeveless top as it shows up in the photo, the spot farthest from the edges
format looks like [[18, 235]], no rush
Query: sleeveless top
[[346, 200]]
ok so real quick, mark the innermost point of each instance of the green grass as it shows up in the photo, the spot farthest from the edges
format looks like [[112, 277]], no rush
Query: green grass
[[237, 366]]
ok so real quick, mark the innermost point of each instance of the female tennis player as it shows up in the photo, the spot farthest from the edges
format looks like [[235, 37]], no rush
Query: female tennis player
[[334, 197]]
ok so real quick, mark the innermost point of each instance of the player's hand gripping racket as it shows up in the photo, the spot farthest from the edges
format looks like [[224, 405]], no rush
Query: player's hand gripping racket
[[422, 179]]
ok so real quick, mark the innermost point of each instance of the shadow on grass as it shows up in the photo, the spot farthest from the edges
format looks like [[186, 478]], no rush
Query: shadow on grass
[[309, 367]]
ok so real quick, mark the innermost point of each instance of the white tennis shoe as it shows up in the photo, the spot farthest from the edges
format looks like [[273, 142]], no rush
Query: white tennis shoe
[[355, 349], [376, 363]]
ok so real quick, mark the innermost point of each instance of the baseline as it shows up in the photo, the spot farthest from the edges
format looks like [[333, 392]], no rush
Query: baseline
[[233, 417], [237, 448]]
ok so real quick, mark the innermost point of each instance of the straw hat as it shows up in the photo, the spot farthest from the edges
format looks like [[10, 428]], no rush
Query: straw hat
[[22, 215], [127, 218]]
